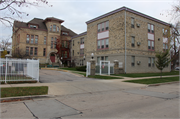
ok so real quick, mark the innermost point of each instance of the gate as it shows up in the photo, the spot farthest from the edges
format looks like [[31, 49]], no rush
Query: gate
[[104, 67], [88, 69]]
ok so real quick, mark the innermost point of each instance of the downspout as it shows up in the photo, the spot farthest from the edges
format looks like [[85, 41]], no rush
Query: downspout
[[125, 44]]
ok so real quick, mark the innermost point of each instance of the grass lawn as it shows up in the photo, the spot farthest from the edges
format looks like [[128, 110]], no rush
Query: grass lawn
[[98, 76], [155, 80], [148, 74], [103, 77], [23, 91]]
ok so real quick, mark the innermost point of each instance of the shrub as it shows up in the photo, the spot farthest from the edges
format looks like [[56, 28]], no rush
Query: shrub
[[82, 68]]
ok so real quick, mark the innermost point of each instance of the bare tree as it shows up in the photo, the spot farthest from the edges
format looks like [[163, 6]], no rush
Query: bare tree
[[20, 53], [5, 43], [10, 9], [175, 41]]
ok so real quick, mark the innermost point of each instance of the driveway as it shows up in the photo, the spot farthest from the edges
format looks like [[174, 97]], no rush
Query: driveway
[[53, 76]]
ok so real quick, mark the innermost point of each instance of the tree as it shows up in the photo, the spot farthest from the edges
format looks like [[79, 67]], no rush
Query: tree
[[5, 44], [175, 41], [10, 9], [20, 53], [163, 59]]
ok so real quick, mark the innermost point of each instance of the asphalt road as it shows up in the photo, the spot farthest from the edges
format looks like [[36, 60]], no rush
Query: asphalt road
[[53, 76], [121, 104]]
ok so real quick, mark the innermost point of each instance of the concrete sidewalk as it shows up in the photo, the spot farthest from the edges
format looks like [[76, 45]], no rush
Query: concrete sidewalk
[[88, 86]]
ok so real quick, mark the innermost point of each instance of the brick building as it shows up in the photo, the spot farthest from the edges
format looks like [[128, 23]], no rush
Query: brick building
[[126, 35], [38, 39]]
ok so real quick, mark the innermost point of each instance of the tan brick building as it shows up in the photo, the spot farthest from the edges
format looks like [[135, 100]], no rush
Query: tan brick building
[[38, 38], [126, 35]]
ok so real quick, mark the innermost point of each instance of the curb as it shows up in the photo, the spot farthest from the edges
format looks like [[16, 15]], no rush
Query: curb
[[21, 98], [158, 84]]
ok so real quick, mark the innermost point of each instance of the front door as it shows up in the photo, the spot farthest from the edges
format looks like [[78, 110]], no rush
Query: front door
[[52, 57]]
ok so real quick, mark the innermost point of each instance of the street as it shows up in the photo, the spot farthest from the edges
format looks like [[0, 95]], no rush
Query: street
[[98, 99]]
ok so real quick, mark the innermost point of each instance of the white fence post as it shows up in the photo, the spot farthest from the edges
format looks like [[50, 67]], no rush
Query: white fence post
[[6, 70]]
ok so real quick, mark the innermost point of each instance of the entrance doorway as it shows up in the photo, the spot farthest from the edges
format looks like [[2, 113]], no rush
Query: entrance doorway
[[52, 57]]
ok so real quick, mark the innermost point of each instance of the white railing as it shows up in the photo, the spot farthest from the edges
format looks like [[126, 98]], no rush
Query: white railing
[[18, 70], [88, 69]]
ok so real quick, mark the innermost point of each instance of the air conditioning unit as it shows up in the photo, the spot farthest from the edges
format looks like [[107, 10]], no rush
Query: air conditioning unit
[[138, 25], [138, 43], [138, 62]]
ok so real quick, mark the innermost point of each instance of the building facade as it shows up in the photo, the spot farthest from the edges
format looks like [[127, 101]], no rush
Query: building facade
[[38, 38], [125, 35]]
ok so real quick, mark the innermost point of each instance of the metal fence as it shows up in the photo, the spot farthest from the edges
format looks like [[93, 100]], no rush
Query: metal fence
[[19, 70], [103, 67]]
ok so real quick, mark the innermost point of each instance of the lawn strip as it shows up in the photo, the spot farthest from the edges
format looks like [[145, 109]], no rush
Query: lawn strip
[[136, 75], [154, 80], [103, 77], [23, 91]]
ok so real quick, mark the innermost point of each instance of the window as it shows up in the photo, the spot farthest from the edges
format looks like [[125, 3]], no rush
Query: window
[[151, 45], [44, 40], [44, 52], [31, 51], [163, 31], [57, 29], [132, 60], [102, 58], [107, 43], [150, 28], [32, 38], [27, 39], [55, 41], [35, 51], [99, 27], [36, 39], [81, 51], [99, 45], [132, 41], [149, 62], [103, 26], [27, 50], [103, 44], [132, 22], [73, 42], [64, 33], [98, 60], [165, 46], [65, 54], [51, 42], [106, 58], [54, 27], [153, 61], [82, 40], [73, 52], [51, 28], [33, 26], [107, 25]]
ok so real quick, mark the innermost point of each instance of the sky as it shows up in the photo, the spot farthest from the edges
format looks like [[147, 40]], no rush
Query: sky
[[76, 12]]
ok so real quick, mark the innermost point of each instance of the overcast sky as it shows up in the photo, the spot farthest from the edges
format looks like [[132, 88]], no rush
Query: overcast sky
[[76, 12]]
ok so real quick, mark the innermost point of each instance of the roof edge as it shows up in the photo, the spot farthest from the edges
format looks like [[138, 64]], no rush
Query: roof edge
[[81, 34], [129, 10]]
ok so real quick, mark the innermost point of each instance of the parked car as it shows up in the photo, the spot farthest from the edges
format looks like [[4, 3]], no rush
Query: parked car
[[177, 68]]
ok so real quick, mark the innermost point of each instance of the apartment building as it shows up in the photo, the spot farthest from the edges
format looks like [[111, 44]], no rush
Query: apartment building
[[126, 35], [38, 38]]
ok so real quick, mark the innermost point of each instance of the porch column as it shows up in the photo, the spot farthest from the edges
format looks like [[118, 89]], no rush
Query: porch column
[[116, 67], [93, 66]]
